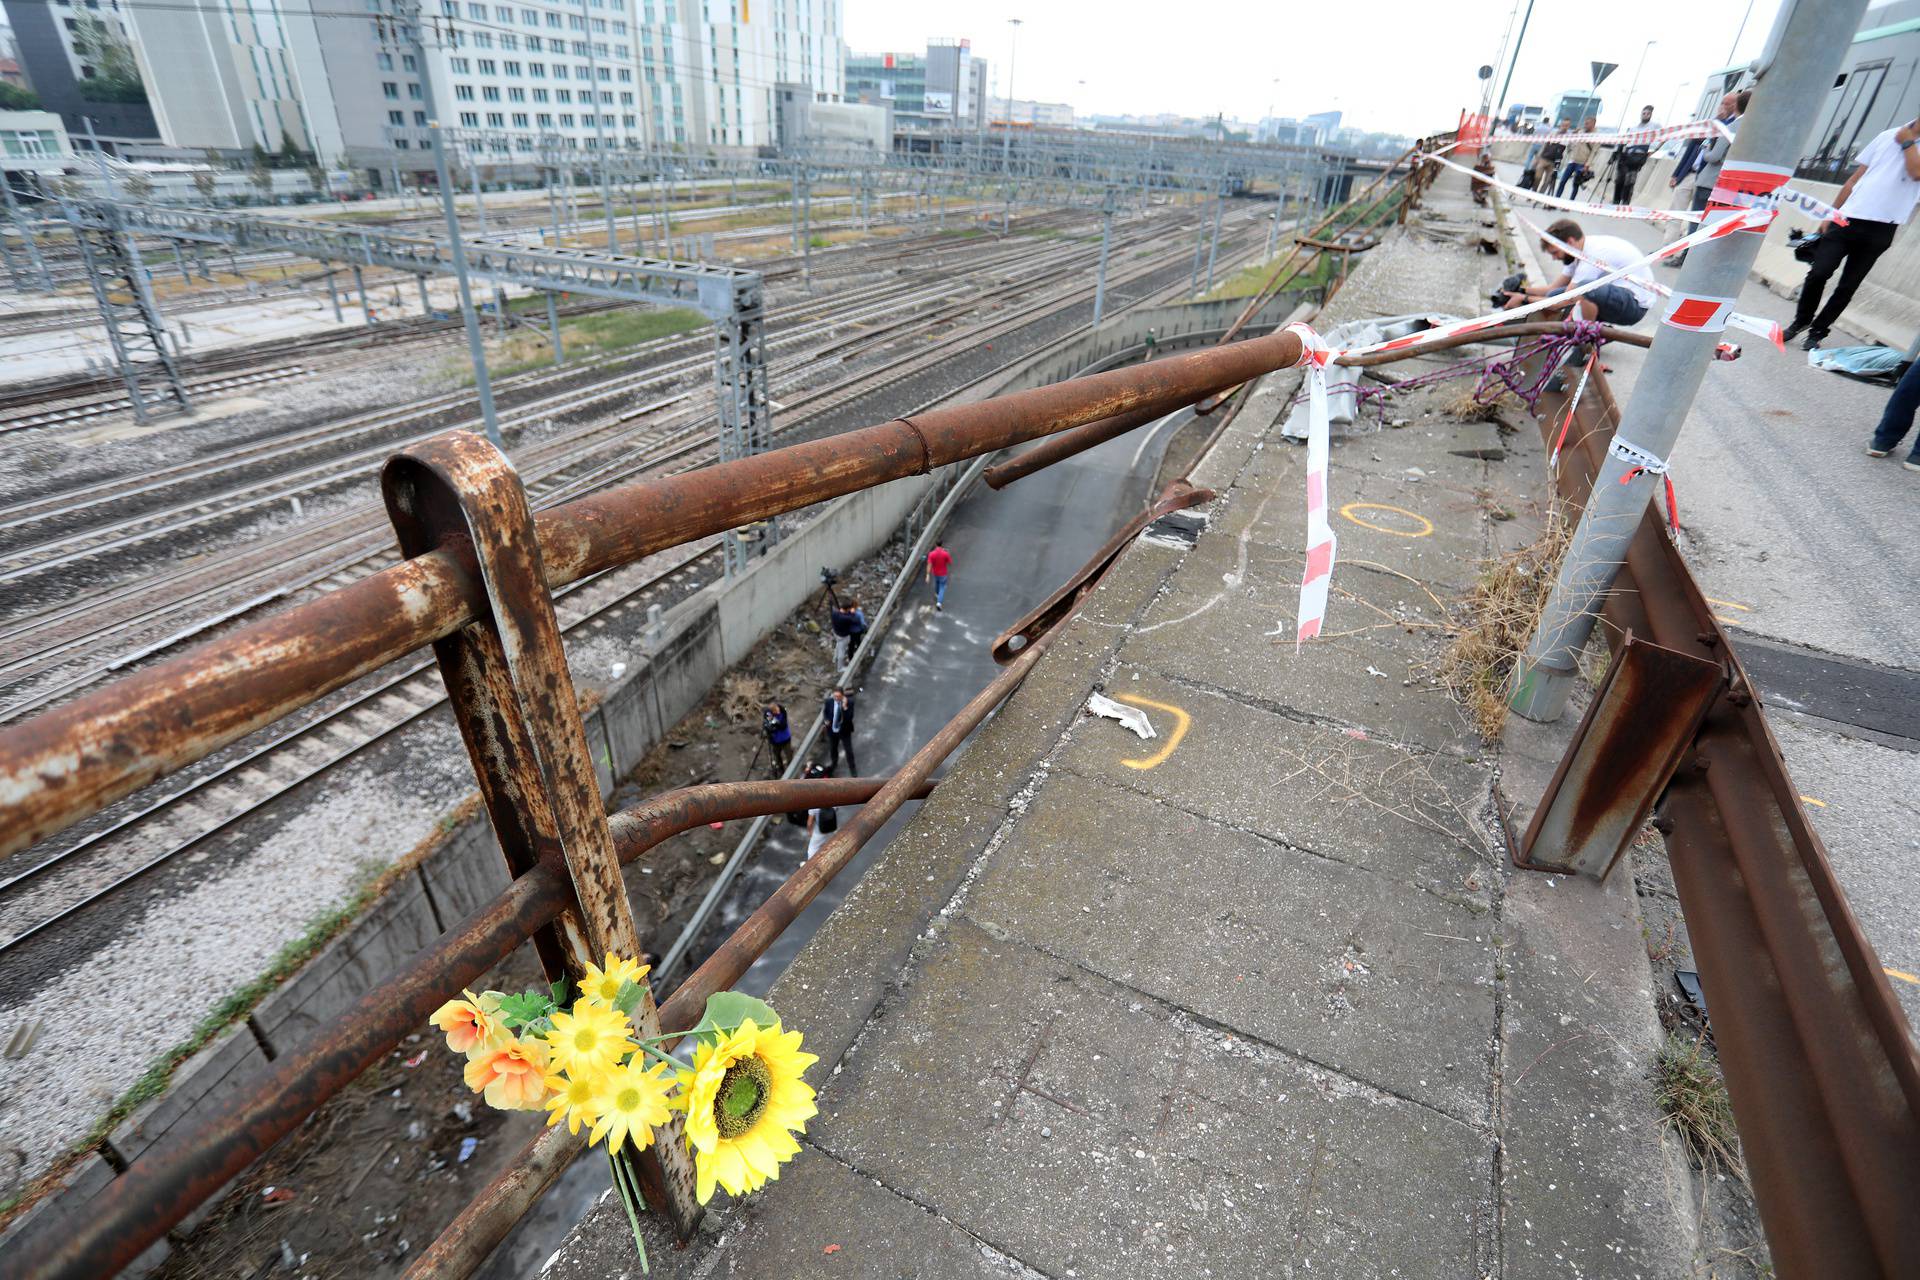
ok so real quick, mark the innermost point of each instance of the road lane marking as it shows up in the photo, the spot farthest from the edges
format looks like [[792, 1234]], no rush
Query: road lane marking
[[1722, 618], [1426, 525], [1180, 722], [1819, 804], [1903, 975]]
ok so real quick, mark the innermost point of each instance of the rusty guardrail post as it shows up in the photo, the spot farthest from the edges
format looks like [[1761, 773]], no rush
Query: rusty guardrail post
[[1642, 720], [507, 680]]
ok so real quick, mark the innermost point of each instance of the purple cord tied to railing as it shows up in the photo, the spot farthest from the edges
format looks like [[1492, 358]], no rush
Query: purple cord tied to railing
[[1502, 368]]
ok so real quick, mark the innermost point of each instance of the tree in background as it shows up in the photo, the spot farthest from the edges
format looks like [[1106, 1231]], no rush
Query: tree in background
[[15, 98], [116, 72]]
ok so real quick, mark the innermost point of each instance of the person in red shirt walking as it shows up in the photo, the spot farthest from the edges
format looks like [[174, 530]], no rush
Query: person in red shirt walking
[[938, 563]]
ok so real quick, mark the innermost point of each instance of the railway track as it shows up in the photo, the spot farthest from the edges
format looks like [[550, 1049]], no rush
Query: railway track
[[59, 882]]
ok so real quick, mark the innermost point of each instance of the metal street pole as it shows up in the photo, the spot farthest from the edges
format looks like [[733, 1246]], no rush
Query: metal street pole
[[1796, 73], [1213, 248], [1106, 239], [1013, 50], [1626, 103], [481, 385], [600, 141], [1518, 40]]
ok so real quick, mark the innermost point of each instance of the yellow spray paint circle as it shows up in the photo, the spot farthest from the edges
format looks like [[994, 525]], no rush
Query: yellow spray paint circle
[[1426, 525]]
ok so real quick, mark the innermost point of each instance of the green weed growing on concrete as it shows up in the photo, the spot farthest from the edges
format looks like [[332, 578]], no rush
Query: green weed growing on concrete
[[1692, 1098]]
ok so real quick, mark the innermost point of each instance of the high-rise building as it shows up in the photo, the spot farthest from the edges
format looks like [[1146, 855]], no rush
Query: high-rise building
[[81, 60], [341, 86], [944, 89]]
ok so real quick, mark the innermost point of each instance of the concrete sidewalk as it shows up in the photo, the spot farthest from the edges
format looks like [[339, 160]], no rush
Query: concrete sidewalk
[[1259, 996]]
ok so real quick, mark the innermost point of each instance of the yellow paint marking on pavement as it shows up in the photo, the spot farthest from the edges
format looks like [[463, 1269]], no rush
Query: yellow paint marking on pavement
[[1903, 975], [1180, 722], [1426, 525], [1729, 604], [1821, 804]]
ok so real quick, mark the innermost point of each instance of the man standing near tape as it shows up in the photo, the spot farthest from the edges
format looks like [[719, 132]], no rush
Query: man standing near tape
[[1628, 161], [1875, 201], [1701, 160]]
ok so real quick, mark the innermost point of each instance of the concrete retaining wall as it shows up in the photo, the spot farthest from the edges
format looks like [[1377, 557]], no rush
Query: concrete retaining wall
[[1887, 307], [698, 641]]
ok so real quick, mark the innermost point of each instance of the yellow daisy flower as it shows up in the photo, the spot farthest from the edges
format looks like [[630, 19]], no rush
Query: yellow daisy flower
[[744, 1100], [576, 1099], [633, 1099], [590, 1040], [602, 985]]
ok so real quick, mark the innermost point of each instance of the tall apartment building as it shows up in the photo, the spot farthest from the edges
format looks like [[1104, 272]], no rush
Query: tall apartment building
[[944, 89], [78, 57], [335, 82]]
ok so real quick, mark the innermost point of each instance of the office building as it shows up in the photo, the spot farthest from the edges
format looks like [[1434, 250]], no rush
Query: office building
[[1026, 111], [943, 89], [81, 60]]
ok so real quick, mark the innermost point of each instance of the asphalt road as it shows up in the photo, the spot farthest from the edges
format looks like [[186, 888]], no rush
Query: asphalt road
[[1810, 551]]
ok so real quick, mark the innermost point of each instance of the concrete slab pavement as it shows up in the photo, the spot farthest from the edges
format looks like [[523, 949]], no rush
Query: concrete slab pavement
[[1196, 1015]]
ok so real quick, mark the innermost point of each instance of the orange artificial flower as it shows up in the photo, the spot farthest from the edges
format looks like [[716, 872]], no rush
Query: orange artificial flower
[[512, 1074], [469, 1024]]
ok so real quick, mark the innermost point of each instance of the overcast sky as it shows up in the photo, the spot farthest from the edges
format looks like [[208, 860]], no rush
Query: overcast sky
[[1400, 66]]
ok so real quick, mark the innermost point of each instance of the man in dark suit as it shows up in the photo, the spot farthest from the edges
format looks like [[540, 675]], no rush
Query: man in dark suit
[[837, 712]]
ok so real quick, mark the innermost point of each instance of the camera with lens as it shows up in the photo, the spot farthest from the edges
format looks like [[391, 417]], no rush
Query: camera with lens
[[1514, 283], [827, 576]]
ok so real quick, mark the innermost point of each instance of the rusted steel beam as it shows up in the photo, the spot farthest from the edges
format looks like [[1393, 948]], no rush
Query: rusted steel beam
[[1818, 1055], [1641, 720], [72, 761], [1068, 443], [512, 694], [490, 1217], [186, 1167]]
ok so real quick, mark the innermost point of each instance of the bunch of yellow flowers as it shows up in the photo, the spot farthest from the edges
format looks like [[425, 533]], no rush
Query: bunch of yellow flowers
[[744, 1097]]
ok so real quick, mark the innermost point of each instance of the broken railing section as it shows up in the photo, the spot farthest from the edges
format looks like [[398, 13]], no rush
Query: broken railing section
[[477, 585], [1819, 1058]]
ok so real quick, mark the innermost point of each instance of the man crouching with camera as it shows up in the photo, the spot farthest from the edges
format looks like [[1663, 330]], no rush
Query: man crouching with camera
[[1622, 303]]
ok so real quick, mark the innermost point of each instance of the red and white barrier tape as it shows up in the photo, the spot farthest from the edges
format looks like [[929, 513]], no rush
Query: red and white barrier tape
[[1639, 460], [1687, 312], [1321, 543], [1774, 198], [1316, 355], [1631, 138]]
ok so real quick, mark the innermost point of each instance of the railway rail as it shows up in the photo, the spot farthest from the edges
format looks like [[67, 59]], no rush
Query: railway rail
[[58, 884]]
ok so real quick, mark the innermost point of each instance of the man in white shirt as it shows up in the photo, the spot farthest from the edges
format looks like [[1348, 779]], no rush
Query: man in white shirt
[[1876, 200], [1622, 303]]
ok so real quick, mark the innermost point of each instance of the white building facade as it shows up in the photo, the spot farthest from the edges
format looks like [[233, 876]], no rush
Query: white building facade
[[693, 75]]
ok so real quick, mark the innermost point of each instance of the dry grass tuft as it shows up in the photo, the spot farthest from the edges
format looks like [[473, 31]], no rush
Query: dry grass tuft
[[1497, 621], [1692, 1097], [741, 697], [1467, 409]]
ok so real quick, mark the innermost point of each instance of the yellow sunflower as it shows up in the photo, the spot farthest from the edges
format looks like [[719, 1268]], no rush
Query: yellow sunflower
[[590, 1040], [602, 985], [744, 1100], [633, 1099], [576, 1099]]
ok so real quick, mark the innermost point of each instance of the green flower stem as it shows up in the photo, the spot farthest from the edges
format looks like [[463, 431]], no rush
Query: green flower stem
[[628, 1189]]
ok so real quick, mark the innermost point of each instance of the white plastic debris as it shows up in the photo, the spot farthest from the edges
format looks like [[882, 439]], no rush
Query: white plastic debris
[[1132, 717]]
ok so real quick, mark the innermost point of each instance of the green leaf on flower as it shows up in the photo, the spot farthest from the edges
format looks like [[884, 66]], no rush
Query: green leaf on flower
[[628, 995], [560, 993], [518, 1011], [726, 1010]]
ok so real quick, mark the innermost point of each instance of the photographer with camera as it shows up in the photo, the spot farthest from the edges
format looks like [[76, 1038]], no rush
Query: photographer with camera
[[1623, 303], [1629, 160], [1875, 201]]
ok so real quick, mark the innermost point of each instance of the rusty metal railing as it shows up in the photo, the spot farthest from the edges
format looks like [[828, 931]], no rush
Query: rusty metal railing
[[1819, 1058], [477, 586]]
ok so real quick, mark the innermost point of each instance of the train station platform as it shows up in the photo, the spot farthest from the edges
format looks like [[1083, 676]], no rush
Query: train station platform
[[1260, 995]]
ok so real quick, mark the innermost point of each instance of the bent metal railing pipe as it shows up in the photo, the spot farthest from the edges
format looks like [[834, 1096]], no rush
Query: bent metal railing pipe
[[71, 762], [492, 1214], [188, 1166]]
